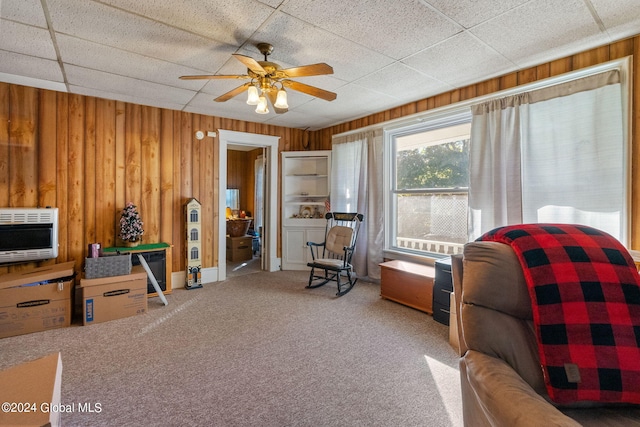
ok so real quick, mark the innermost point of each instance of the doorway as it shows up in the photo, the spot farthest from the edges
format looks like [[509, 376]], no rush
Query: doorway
[[270, 221]]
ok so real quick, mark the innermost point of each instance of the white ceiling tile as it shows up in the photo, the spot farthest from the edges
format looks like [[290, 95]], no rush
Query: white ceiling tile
[[222, 20], [272, 3], [113, 27], [620, 18], [403, 82], [298, 43], [541, 29], [353, 100], [235, 109], [24, 11], [95, 56], [25, 39], [395, 28], [468, 13], [459, 60], [298, 120], [131, 98], [78, 76], [32, 82], [30, 66]]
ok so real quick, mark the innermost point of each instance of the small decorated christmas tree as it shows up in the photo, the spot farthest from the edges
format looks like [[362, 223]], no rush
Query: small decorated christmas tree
[[130, 224]]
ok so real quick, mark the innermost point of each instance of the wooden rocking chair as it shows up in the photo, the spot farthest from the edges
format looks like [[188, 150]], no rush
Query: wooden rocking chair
[[333, 256]]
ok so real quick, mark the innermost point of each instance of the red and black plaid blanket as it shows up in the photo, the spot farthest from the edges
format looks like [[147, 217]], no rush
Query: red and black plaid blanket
[[585, 293]]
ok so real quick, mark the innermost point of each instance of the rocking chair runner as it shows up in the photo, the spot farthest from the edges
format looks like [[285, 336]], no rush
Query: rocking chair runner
[[333, 256]]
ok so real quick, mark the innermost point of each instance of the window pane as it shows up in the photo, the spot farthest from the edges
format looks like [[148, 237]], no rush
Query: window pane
[[573, 166], [430, 190], [432, 222], [433, 159]]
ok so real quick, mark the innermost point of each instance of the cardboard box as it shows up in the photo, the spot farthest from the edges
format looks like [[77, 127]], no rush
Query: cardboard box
[[33, 392], [109, 298], [27, 305]]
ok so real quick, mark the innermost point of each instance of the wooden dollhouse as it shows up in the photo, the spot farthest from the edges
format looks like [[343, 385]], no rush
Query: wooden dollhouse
[[193, 214]]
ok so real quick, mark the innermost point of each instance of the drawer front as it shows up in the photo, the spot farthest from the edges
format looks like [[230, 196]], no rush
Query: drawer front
[[443, 273], [441, 295], [441, 313]]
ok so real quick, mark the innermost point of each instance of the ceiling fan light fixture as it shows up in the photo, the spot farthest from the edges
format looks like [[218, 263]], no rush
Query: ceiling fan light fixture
[[253, 98], [265, 77], [281, 99], [262, 106]]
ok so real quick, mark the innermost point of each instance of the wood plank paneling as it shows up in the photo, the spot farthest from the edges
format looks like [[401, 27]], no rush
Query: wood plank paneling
[[47, 165], [118, 166], [76, 173], [23, 118], [150, 173], [89, 156], [166, 178], [133, 156], [209, 195], [62, 176], [105, 172], [90, 165]]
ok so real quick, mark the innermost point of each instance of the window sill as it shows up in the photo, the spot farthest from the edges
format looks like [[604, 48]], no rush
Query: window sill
[[390, 254]]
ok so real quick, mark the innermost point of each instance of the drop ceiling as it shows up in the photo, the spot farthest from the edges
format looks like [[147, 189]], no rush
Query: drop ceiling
[[384, 53]]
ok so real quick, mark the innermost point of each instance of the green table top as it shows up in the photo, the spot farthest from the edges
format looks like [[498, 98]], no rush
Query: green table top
[[142, 247]]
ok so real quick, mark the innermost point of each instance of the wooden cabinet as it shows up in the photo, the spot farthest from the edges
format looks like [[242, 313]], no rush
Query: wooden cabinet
[[306, 183], [407, 283], [295, 253]]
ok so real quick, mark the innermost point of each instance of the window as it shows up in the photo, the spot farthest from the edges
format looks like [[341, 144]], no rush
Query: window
[[556, 154], [194, 235], [429, 181], [195, 254], [572, 158], [194, 215]]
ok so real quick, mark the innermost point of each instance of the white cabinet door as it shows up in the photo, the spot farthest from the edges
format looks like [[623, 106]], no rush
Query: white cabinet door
[[293, 249], [296, 253]]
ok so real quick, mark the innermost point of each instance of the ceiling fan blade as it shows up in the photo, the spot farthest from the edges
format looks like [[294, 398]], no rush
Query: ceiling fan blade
[[308, 70], [237, 91], [272, 95], [216, 76], [310, 90], [251, 64]]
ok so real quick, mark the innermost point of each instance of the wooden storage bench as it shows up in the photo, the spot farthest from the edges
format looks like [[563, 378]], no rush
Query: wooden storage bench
[[408, 283]]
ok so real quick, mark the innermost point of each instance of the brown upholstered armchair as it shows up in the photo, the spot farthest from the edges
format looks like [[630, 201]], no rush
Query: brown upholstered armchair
[[501, 378]]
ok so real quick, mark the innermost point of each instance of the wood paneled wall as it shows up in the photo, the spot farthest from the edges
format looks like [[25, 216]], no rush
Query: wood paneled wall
[[240, 175], [591, 57], [89, 157]]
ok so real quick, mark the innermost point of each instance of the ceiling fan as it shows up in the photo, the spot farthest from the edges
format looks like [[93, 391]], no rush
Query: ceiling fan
[[265, 78]]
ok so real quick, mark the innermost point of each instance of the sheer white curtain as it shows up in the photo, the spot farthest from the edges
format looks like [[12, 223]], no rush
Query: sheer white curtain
[[356, 186], [494, 163], [555, 154]]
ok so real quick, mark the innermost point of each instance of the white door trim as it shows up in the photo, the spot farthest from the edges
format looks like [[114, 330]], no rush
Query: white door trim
[[227, 137]]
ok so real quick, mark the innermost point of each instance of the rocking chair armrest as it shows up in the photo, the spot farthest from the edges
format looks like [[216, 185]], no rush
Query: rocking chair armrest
[[348, 253], [311, 245]]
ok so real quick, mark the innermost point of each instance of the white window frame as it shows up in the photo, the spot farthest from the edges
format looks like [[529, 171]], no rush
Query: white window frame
[[443, 116], [451, 118]]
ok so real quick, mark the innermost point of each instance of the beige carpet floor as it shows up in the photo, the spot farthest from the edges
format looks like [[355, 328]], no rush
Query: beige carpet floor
[[257, 350]]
